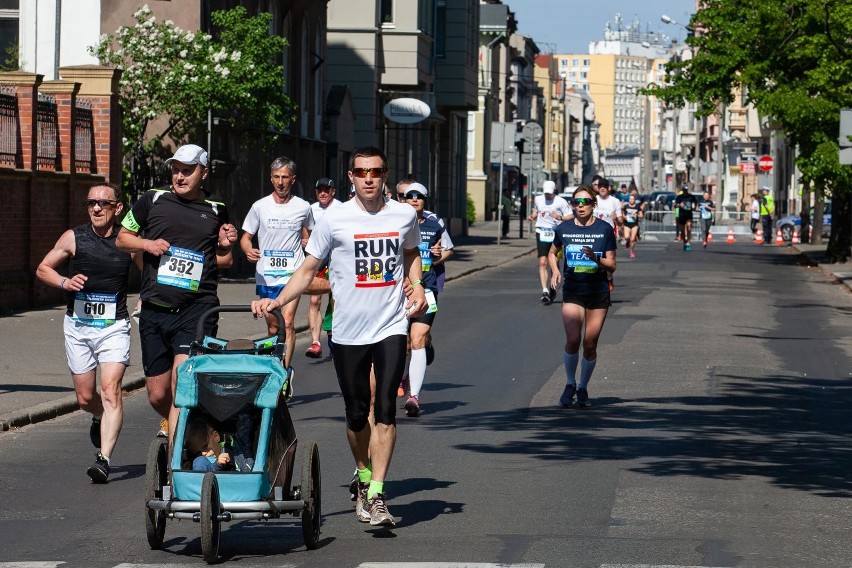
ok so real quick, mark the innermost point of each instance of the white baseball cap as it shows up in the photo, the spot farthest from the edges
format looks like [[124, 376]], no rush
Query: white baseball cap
[[419, 188], [549, 186], [190, 154]]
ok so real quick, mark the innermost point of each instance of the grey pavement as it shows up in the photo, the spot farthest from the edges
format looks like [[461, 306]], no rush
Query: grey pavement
[[35, 384]]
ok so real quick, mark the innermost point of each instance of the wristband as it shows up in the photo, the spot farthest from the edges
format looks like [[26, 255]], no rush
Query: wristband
[[226, 249], [62, 283], [416, 282]]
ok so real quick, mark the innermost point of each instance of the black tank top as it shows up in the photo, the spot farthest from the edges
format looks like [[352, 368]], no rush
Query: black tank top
[[105, 266]]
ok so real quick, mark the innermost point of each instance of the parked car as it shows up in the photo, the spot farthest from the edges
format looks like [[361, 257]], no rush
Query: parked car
[[661, 201], [788, 222]]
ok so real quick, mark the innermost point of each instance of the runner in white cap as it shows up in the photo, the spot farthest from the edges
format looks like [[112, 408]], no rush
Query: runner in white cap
[[548, 211]]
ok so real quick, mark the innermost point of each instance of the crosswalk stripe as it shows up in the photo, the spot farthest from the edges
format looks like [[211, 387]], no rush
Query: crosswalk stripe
[[444, 565], [47, 564]]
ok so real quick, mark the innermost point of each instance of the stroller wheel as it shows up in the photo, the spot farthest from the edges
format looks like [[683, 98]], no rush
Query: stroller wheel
[[156, 477], [211, 525], [312, 494]]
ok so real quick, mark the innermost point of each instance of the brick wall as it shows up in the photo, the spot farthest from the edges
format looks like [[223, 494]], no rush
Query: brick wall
[[39, 205]]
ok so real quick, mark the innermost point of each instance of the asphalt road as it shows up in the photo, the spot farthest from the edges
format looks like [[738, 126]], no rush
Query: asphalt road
[[718, 436]]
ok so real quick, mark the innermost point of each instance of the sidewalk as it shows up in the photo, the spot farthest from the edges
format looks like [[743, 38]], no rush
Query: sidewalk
[[35, 384]]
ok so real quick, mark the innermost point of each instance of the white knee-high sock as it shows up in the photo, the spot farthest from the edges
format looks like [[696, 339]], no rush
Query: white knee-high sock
[[416, 370], [586, 369], [570, 361]]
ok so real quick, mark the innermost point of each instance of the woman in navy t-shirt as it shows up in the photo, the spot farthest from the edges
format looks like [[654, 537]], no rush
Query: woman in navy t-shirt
[[589, 250]]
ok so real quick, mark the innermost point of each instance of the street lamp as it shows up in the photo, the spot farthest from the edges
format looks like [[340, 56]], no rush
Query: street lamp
[[565, 155]]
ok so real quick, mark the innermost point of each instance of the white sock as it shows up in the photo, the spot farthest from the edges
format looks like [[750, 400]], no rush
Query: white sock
[[586, 369], [416, 371], [545, 290], [570, 361]]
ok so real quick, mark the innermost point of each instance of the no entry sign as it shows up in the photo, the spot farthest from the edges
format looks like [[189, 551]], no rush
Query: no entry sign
[[765, 163]]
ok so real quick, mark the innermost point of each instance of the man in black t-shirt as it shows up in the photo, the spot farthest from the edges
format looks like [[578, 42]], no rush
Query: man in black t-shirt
[[685, 204], [185, 237]]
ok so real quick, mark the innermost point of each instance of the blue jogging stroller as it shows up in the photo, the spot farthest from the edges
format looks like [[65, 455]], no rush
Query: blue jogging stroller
[[229, 384]]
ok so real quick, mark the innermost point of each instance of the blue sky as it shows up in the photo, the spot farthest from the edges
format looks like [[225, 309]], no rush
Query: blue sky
[[567, 26]]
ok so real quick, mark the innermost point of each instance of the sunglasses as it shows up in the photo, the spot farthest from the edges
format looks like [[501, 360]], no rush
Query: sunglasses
[[324, 189], [414, 195], [374, 172], [400, 197], [101, 202], [582, 201]]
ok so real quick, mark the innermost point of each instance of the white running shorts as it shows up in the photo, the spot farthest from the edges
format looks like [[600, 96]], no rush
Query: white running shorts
[[87, 346]]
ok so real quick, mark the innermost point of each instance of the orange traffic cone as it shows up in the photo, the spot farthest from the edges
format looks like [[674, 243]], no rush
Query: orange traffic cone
[[758, 237], [779, 239], [796, 240], [731, 238]]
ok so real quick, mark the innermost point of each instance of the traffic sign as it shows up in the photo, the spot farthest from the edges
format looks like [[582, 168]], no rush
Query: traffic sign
[[747, 168], [765, 163], [532, 132]]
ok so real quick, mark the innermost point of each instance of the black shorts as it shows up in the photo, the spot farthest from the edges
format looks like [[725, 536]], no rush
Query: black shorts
[[683, 220], [353, 363], [166, 332], [428, 319], [597, 301], [542, 247]]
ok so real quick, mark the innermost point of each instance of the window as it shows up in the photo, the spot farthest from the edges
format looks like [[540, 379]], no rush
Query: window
[[386, 14], [441, 29], [575, 62], [586, 62], [9, 59], [471, 135]]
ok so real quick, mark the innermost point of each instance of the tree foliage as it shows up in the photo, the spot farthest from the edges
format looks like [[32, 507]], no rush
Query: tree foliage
[[793, 61], [180, 75]]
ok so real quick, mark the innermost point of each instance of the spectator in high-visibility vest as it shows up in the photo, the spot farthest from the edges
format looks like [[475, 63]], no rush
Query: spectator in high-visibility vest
[[767, 209]]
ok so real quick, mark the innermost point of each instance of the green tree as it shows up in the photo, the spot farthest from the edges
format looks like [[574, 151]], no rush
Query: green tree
[[179, 76], [791, 59]]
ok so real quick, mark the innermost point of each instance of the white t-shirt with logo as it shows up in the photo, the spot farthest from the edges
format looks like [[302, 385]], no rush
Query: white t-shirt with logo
[[545, 210], [604, 209], [279, 235], [366, 268]]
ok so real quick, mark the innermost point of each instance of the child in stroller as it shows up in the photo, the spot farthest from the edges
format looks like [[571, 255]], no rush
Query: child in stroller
[[207, 449]]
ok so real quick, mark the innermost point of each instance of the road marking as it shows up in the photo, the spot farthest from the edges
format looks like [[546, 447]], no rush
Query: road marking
[[46, 564], [651, 566], [444, 565]]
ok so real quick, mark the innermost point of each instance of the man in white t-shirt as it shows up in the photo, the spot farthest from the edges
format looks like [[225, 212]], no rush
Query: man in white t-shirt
[[325, 191], [548, 211], [608, 209], [282, 223], [608, 206], [372, 244]]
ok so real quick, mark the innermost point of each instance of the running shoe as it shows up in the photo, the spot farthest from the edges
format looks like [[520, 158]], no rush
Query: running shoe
[[95, 432], [552, 294], [412, 406], [314, 351], [583, 398], [704, 244], [686, 246], [403, 387], [163, 432], [567, 398], [430, 354], [545, 298], [632, 254], [99, 471], [362, 507], [378, 511], [353, 487]]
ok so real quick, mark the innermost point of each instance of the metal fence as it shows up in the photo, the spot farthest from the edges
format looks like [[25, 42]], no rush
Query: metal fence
[[47, 128], [9, 128], [84, 138], [664, 221]]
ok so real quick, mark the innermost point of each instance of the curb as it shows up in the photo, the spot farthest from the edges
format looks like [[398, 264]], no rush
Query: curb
[[67, 405]]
